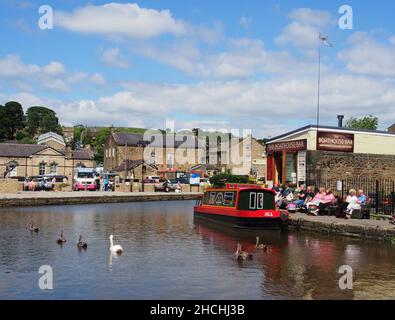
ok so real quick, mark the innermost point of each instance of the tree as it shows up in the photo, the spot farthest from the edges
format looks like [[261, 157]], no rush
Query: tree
[[42, 120], [12, 118], [101, 138], [369, 122], [223, 178]]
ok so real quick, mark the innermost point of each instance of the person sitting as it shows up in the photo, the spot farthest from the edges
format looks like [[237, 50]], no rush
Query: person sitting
[[26, 184], [329, 199], [353, 203], [284, 197], [361, 197], [315, 202]]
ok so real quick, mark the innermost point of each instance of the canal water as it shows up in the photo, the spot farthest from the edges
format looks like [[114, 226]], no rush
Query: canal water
[[168, 255]]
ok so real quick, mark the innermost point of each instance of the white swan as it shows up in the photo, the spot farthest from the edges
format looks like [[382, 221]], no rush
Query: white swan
[[115, 249]]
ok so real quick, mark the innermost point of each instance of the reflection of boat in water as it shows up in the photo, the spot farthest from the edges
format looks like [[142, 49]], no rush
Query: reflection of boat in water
[[241, 207], [229, 237]]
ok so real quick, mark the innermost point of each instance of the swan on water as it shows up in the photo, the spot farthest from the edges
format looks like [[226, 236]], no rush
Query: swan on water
[[115, 248]]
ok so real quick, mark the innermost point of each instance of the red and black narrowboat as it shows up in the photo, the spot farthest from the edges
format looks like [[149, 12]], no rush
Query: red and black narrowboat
[[241, 206]]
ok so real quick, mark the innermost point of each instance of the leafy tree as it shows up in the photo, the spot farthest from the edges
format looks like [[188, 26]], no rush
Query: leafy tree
[[12, 117], [101, 138], [87, 137], [369, 122], [27, 140], [78, 132], [42, 120]]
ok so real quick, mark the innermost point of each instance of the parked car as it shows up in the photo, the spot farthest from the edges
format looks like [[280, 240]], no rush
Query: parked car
[[166, 186], [182, 180], [82, 186]]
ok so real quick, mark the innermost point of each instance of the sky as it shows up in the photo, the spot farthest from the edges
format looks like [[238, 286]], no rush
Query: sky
[[214, 65]]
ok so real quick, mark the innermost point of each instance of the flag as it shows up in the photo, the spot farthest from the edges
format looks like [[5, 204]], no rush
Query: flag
[[324, 40]]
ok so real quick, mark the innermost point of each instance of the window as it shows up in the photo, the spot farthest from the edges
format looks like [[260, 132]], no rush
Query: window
[[229, 196], [41, 169], [152, 158], [14, 172], [54, 168], [260, 201], [113, 152], [170, 160], [252, 200], [107, 153]]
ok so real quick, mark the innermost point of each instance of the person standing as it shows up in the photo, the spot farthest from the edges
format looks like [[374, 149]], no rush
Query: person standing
[[106, 184]]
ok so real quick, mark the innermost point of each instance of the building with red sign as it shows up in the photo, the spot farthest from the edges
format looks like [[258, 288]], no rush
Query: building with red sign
[[308, 154]]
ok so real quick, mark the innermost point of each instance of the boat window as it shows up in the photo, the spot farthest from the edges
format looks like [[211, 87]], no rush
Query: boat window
[[252, 200], [212, 198], [229, 198], [219, 200], [260, 201]]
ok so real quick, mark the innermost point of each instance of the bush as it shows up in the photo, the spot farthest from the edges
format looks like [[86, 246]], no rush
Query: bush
[[222, 179]]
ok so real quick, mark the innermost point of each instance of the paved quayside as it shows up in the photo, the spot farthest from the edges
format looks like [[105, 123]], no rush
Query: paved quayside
[[367, 229]]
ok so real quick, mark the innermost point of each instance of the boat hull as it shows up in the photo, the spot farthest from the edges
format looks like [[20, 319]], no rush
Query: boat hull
[[265, 223]]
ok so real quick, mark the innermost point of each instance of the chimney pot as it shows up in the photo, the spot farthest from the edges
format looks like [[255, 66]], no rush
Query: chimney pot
[[340, 118]]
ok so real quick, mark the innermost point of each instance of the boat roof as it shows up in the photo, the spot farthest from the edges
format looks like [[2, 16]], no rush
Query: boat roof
[[240, 189]]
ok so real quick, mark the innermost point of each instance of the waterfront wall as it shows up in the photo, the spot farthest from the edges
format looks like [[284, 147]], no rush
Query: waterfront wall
[[339, 165], [365, 229], [69, 198], [10, 186]]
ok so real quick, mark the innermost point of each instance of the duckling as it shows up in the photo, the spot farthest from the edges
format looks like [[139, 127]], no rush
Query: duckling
[[81, 244], [61, 239], [260, 246], [32, 227], [242, 255]]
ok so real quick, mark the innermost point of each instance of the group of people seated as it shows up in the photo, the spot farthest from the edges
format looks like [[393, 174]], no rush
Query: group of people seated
[[324, 201]]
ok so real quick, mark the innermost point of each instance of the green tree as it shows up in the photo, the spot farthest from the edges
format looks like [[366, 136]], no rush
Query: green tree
[[369, 122], [78, 132], [41, 120], [12, 120], [223, 178], [101, 138]]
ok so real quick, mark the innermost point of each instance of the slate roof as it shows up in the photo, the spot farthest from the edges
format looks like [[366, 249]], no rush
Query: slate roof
[[132, 164], [158, 140], [17, 150]]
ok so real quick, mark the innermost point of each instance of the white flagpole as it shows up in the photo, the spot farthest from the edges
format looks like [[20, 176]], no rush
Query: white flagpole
[[319, 81]]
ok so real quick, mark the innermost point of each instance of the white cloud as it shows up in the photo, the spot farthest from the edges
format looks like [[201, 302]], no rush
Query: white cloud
[[52, 76], [245, 22], [302, 32], [125, 19], [369, 57], [54, 68], [112, 58]]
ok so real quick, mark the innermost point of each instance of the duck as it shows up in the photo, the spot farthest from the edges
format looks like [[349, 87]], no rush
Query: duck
[[61, 239], [260, 246], [115, 248], [81, 244], [33, 227], [242, 255]]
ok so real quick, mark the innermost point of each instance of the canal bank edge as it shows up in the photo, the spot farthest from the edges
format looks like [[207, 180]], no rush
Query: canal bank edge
[[72, 198], [356, 228]]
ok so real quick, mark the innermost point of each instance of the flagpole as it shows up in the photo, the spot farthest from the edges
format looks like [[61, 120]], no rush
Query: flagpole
[[319, 81]]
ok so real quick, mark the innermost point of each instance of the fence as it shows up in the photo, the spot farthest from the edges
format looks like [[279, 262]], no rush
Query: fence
[[380, 192]]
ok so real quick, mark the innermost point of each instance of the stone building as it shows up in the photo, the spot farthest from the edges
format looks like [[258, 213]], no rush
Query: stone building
[[308, 154], [50, 157], [175, 153], [169, 153], [392, 128]]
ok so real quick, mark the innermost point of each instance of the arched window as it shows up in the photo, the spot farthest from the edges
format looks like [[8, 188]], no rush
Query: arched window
[[41, 168]]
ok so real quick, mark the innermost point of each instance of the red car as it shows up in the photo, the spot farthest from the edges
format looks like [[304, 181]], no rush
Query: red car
[[82, 186]]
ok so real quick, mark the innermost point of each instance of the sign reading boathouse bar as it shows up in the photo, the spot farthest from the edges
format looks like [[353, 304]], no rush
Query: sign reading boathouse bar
[[334, 141], [288, 146]]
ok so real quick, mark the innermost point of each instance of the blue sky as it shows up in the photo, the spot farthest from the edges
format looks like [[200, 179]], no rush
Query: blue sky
[[208, 64]]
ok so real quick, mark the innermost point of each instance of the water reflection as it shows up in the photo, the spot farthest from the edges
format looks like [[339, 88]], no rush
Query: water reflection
[[169, 255]]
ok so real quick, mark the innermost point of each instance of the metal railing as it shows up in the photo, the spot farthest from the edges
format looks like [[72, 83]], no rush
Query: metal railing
[[381, 192]]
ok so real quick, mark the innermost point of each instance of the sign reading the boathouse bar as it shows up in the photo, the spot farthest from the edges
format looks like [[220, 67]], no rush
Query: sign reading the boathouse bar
[[288, 146], [334, 141]]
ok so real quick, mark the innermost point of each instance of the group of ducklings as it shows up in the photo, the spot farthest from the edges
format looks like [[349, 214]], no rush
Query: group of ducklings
[[244, 255], [61, 240]]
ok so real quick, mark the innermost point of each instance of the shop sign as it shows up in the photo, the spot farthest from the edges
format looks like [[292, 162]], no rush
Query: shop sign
[[333, 141], [288, 146]]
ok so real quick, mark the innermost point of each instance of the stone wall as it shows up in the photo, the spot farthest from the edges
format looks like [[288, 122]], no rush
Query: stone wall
[[340, 165], [10, 186]]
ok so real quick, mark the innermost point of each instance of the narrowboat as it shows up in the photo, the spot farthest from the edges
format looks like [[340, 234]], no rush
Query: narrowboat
[[241, 206]]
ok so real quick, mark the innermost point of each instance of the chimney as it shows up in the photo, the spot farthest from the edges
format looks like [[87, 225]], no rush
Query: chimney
[[340, 118]]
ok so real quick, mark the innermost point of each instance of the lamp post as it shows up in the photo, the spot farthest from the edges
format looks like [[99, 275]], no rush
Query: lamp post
[[142, 144]]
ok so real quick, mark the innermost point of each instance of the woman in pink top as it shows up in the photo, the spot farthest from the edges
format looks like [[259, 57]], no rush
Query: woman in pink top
[[319, 197]]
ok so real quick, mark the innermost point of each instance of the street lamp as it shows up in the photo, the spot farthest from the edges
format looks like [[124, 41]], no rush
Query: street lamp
[[142, 144]]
